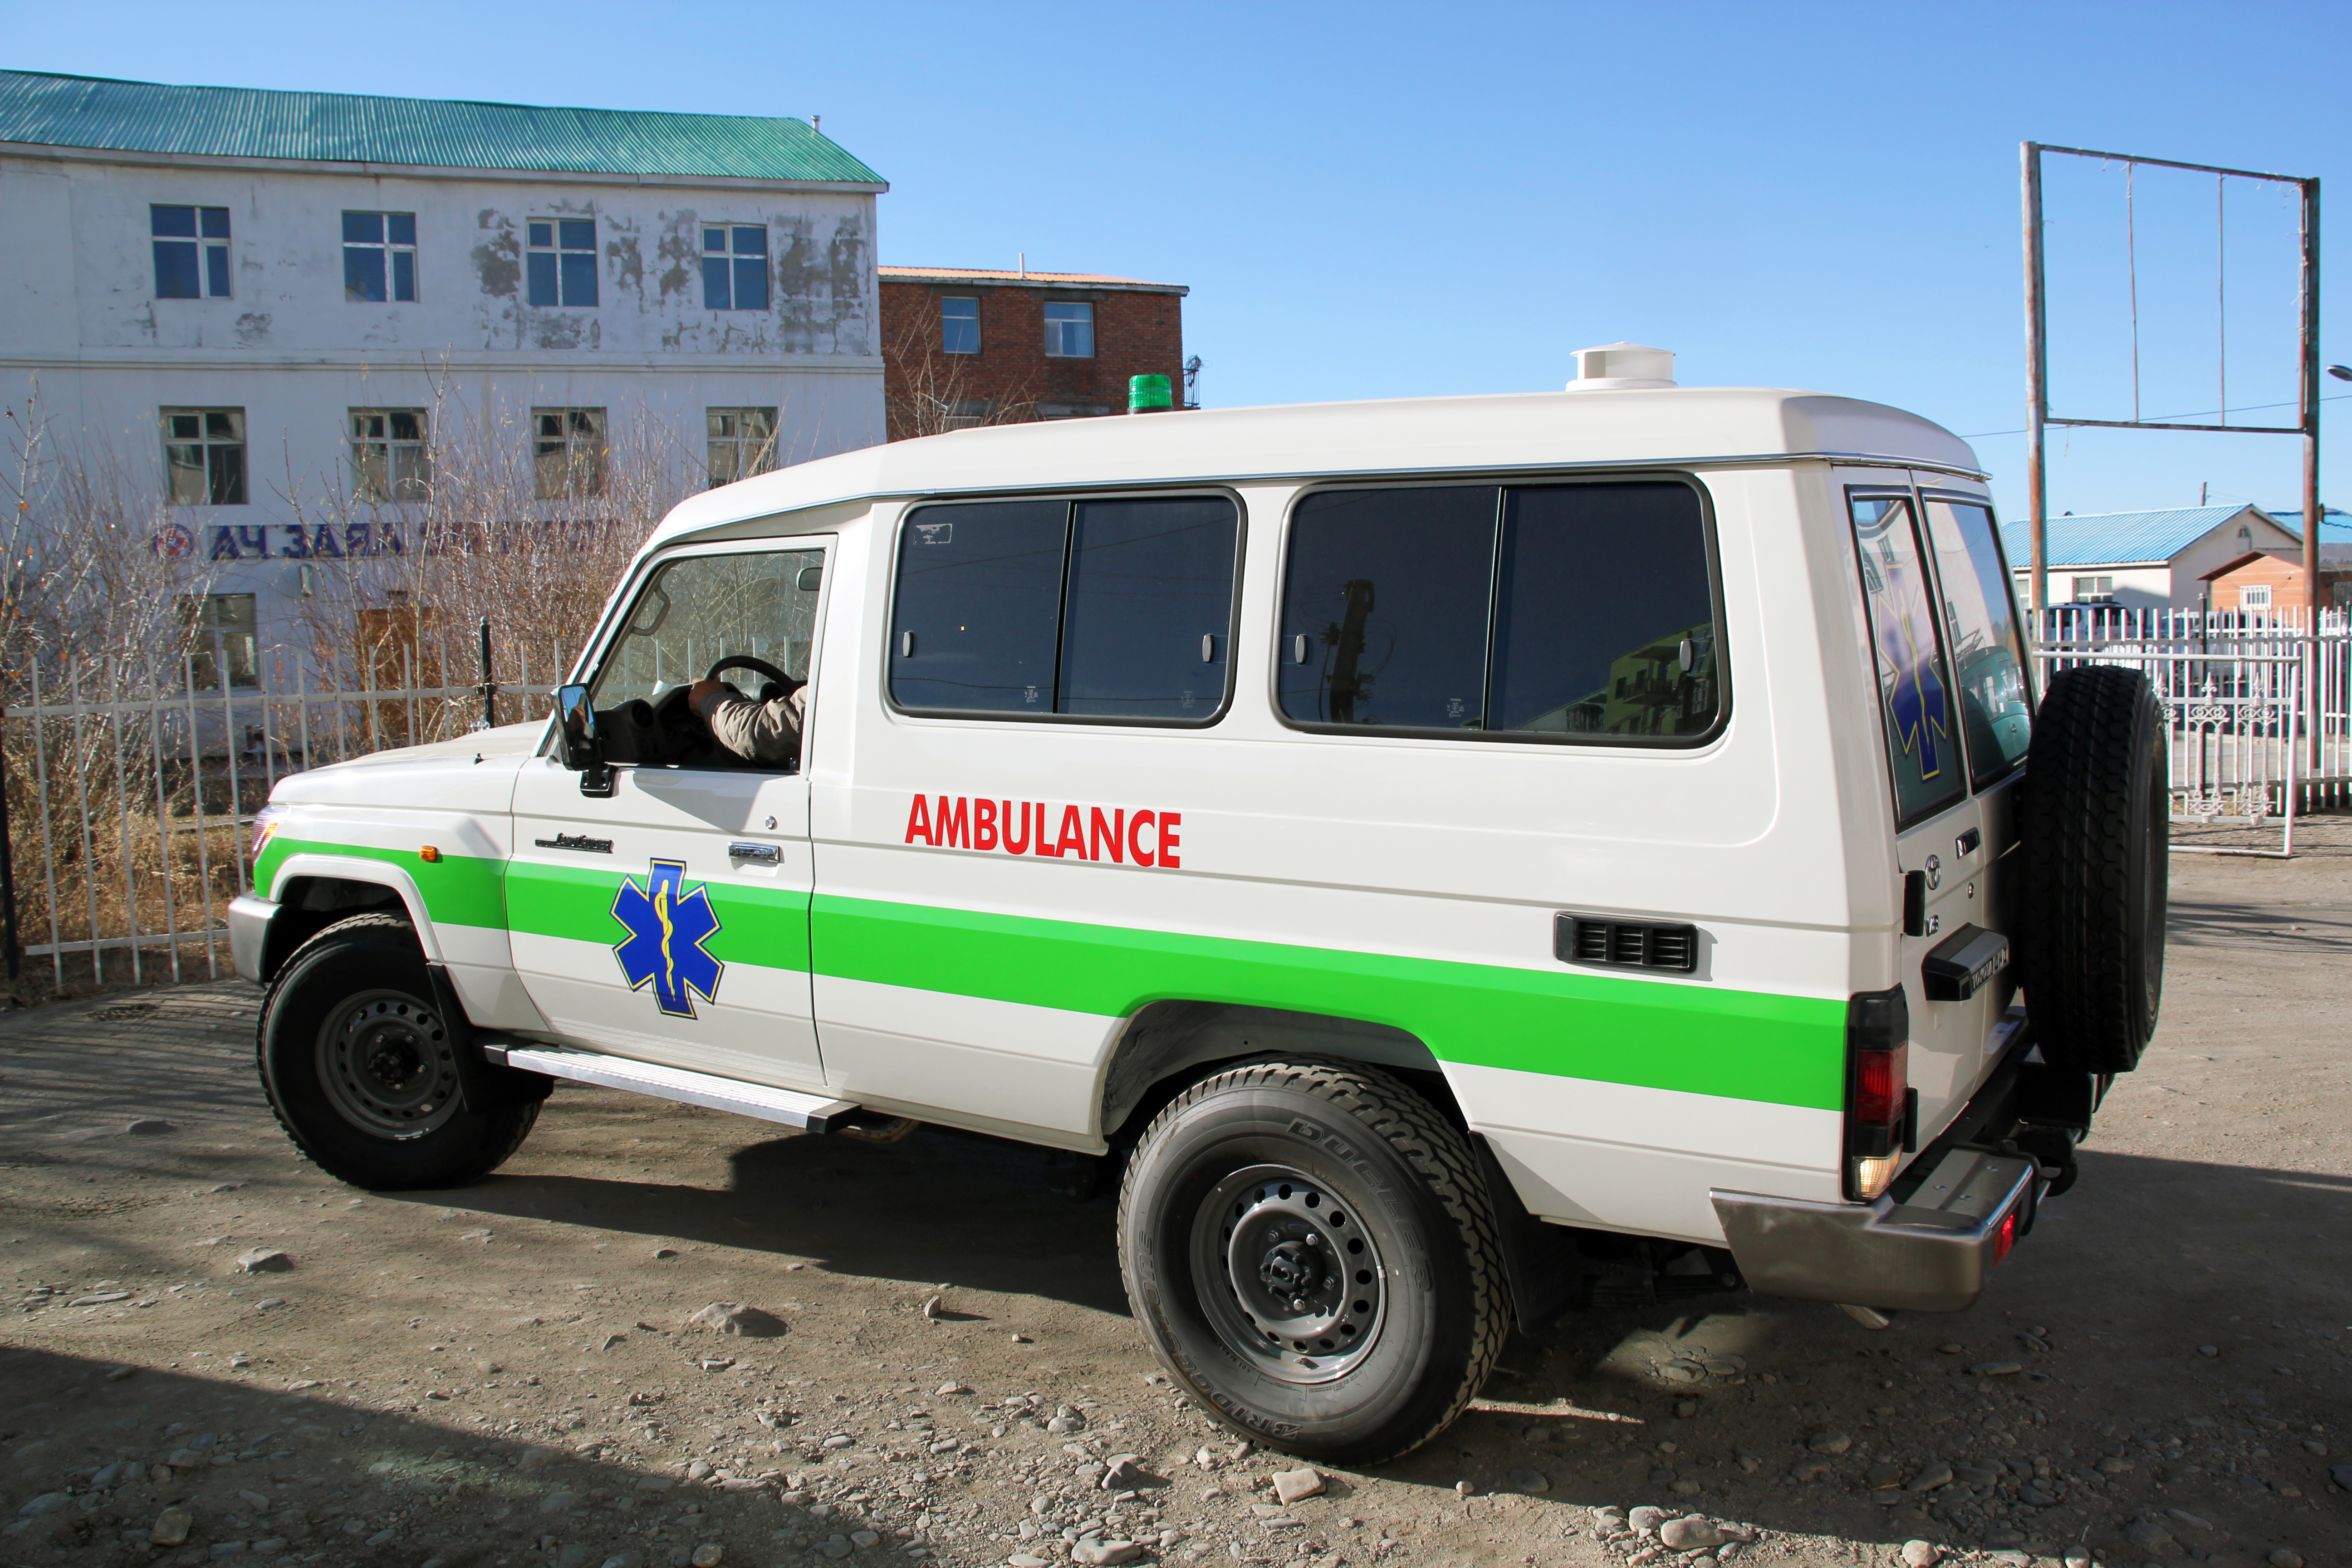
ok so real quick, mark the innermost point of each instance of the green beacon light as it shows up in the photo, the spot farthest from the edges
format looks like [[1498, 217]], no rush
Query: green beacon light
[[1148, 394]]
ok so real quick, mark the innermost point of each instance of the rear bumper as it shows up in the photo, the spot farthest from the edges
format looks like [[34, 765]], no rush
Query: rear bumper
[[248, 932], [1932, 1253]]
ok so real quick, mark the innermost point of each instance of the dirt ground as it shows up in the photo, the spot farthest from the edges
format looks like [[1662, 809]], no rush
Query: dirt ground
[[507, 1375]]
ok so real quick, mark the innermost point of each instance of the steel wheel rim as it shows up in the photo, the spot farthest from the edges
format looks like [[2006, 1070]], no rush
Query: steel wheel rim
[[1289, 1274], [387, 1065]]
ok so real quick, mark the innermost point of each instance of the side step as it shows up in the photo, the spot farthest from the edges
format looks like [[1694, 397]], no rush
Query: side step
[[784, 1105]]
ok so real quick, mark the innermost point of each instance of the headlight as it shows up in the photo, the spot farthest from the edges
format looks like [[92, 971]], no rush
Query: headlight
[[265, 826]]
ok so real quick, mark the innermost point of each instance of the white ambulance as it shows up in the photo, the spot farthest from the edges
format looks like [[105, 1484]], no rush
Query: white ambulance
[[1460, 857]]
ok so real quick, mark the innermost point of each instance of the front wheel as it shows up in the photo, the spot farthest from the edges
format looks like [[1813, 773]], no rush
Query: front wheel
[[1309, 1248], [362, 1073]]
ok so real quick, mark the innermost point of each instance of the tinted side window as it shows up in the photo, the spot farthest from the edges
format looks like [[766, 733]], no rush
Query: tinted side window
[[979, 607], [1098, 608], [1988, 654], [1385, 596], [1584, 610], [1914, 692], [1604, 617], [1150, 594]]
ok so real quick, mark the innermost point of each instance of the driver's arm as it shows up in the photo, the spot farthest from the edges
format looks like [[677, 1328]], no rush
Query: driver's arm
[[757, 732]]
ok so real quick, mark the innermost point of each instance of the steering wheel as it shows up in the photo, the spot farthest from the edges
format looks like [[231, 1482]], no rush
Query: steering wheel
[[784, 684]]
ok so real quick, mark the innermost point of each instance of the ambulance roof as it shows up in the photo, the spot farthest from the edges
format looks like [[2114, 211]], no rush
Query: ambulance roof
[[1646, 427]]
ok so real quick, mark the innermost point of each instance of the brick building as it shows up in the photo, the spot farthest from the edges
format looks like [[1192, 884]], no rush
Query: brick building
[[963, 347]]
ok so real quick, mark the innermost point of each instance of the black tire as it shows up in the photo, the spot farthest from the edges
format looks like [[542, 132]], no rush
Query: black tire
[[360, 1071], [2096, 844], [1292, 1166]]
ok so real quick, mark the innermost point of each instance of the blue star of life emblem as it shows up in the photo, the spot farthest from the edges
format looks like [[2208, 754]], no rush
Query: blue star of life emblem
[[667, 923]]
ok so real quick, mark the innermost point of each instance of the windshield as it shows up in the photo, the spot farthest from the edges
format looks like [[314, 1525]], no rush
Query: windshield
[[699, 609]]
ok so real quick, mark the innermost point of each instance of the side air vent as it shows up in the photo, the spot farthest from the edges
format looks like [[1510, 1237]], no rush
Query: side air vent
[[1590, 939]]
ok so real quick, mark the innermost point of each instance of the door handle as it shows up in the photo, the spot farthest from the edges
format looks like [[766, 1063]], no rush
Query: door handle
[[764, 854]]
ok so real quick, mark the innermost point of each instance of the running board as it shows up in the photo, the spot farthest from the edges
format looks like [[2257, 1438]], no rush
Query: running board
[[784, 1105]]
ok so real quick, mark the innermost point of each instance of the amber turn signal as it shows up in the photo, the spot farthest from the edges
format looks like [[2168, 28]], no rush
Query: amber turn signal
[[429, 854]]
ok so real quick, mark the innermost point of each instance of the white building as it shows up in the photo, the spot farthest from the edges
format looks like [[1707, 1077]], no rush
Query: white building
[[2141, 559], [246, 298]]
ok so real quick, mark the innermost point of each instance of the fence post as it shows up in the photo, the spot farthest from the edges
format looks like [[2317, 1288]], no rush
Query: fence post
[[16, 953]]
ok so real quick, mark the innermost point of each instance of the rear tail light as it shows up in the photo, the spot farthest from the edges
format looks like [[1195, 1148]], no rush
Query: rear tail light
[[1878, 1090], [2004, 1237]]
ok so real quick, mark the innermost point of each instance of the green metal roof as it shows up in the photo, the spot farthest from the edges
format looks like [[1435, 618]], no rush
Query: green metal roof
[[49, 111]]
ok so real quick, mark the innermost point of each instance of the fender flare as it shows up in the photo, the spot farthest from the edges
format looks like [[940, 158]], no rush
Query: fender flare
[[363, 869]]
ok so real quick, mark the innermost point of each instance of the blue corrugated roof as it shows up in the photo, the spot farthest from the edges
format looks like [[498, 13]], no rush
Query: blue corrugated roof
[[2113, 538], [47, 111], [2334, 524]]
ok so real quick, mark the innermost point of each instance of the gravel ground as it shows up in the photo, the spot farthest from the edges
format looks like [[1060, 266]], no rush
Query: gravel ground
[[941, 1365]]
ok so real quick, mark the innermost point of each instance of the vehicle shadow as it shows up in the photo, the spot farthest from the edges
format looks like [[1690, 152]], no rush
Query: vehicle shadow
[[938, 1206], [254, 1472], [2127, 1279]]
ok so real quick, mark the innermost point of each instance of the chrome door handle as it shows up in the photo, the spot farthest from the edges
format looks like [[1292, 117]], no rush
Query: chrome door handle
[[765, 854]]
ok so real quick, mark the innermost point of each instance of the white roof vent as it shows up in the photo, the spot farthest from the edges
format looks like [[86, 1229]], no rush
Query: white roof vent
[[1617, 367]]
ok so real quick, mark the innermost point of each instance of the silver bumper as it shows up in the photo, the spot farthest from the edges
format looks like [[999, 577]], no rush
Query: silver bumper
[[248, 927], [1930, 1254]]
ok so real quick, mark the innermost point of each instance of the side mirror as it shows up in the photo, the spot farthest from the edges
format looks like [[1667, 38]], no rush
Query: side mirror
[[584, 749], [809, 578]]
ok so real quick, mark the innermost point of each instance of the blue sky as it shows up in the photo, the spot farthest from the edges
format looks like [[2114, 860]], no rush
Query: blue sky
[[1372, 200]]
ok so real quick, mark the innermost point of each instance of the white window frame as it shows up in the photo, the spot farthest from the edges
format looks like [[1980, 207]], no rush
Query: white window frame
[[751, 451], [947, 342], [204, 442], [2254, 596], [206, 247], [376, 450], [1059, 329], [556, 247], [390, 250], [734, 261], [581, 440]]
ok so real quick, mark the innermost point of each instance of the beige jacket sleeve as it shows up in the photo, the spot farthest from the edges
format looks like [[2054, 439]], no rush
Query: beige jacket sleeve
[[759, 732]]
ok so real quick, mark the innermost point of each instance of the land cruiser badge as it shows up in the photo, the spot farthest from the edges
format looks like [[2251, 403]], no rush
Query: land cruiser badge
[[667, 923]]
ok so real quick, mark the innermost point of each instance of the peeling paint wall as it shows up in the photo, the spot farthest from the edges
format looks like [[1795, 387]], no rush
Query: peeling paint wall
[[287, 265], [77, 310]]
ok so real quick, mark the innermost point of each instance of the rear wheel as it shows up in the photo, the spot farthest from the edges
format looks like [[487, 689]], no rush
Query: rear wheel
[[361, 1070], [2097, 837], [1310, 1250]]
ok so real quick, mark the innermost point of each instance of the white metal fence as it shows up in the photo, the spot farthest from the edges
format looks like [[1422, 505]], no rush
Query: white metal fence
[[130, 808], [2260, 707]]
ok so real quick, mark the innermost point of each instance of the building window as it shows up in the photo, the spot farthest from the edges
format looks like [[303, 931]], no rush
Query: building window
[[388, 457], [735, 267], [204, 456], [960, 326], [380, 257], [743, 443], [568, 453], [2094, 590], [1069, 329], [221, 636], [2254, 596], [560, 255], [190, 252]]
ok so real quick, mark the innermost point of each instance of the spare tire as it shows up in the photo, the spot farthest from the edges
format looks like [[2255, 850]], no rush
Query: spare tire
[[2096, 834]]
